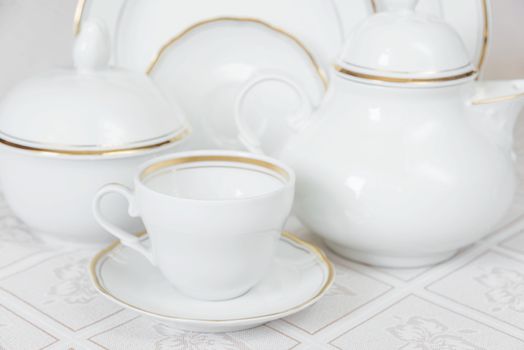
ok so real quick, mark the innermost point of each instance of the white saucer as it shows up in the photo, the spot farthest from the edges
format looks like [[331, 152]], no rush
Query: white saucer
[[300, 275], [205, 68]]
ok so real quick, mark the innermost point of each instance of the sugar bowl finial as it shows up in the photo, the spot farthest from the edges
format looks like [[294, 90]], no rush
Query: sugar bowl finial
[[92, 47], [396, 5]]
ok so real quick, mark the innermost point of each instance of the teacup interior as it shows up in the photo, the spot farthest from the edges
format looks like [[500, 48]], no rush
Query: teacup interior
[[214, 180]]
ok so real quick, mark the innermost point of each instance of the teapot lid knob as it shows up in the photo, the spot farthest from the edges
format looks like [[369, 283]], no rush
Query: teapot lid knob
[[92, 48], [397, 5], [400, 45]]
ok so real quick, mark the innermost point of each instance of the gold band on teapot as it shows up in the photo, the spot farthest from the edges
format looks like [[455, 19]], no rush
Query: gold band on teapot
[[403, 80]]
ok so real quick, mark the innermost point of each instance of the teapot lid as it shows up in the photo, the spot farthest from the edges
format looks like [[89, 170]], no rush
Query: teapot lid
[[90, 110], [399, 45]]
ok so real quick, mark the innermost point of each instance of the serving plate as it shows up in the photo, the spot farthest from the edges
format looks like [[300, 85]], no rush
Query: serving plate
[[140, 27], [300, 275], [313, 22], [205, 67]]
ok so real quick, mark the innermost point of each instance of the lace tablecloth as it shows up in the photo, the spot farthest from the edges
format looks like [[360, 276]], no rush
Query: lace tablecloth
[[473, 302]]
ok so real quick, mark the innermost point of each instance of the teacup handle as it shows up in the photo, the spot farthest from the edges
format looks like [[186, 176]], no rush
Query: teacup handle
[[128, 239], [245, 134]]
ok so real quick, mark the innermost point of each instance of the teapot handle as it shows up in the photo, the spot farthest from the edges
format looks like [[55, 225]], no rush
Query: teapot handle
[[294, 121]]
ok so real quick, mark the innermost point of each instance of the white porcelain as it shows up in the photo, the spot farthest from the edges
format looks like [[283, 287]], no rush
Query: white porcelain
[[378, 46], [206, 67], [397, 172], [144, 26], [213, 217], [52, 192], [107, 11], [470, 18], [89, 108], [64, 134], [186, 73], [299, 275], [143, 30]]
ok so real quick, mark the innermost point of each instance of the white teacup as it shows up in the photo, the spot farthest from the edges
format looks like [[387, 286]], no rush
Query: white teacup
[[213, 218]]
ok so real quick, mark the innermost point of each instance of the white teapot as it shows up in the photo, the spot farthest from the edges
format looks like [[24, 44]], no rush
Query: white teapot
[[408, 158]]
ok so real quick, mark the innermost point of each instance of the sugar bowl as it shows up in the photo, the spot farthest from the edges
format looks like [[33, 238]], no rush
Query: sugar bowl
[[65, 133]]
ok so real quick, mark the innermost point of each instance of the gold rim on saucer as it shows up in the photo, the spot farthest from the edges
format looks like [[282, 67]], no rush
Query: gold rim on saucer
[[321, 256], [322, 74]]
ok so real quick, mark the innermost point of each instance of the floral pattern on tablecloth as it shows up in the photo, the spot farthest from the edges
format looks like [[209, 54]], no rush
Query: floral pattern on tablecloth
[[58, 288], [417, 323], [176, 339], [505, 289], [141, 333], [491, 284], [471, 302], [422, 333], [74, 286], [16, 240]]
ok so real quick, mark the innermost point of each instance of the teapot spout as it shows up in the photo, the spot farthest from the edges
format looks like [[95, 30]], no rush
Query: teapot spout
[[497, 105]]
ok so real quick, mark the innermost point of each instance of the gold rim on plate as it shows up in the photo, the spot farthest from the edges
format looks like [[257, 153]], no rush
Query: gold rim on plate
[[79, 12], [322, 74], [97, 259], [81, 4]]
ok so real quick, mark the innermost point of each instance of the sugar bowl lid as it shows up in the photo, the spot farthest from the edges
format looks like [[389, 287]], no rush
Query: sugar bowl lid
[[90, 110], [401, 45]]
